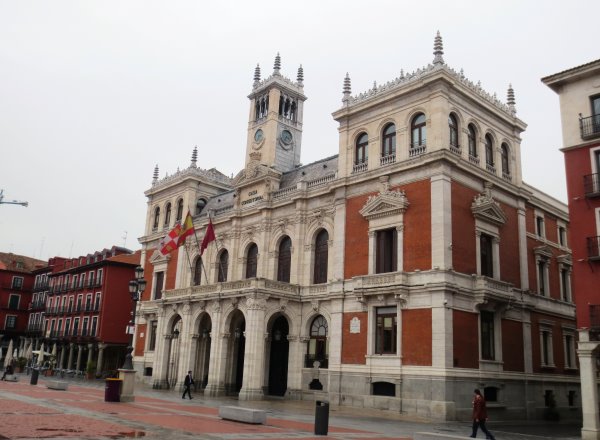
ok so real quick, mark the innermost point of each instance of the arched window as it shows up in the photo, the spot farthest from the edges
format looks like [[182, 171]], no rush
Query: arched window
[[505, 162], [321, 257], [223, 265], [362, 150], [198, 271], [251, 261], [179, 210], [284, 260], [168, 214], [318, 349], [418, 131], [453, 127], [472, 141], [156, 218], [489, 151], [388, 141]]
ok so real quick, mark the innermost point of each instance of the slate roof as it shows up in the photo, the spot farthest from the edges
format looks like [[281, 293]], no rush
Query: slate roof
[[312, 171]]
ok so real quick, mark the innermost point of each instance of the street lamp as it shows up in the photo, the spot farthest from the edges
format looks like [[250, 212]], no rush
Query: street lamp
[[136, 287]]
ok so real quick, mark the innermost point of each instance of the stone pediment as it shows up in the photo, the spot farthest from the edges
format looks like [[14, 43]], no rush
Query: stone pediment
[[543, 250], [254, 172], [565, 259], [158, 258], [485, 208], [384, 204]]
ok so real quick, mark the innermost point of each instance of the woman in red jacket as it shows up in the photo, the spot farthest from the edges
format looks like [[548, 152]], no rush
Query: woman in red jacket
[[480, 415]]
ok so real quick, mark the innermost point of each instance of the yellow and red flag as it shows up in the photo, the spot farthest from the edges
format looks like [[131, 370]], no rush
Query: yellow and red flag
[[187, 229]]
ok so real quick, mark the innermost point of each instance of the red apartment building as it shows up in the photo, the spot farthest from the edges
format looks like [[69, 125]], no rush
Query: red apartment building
[[579, 92], [16, 283], [83, 306]]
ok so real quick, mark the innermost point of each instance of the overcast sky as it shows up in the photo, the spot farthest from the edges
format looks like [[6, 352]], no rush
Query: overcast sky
[[93, 94]]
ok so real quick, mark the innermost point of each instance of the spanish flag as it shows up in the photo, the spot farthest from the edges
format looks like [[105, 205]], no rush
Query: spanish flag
[[187, 228]]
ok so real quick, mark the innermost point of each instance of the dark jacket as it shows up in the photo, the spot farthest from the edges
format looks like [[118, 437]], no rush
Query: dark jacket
[[188, 380], [479, 409]]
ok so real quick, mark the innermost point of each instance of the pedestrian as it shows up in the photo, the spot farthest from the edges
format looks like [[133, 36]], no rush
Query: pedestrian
[[187, 383], [7, 371], [480, 415]]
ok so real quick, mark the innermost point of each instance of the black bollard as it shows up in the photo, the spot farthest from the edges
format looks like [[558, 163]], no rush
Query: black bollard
[[321, 417]]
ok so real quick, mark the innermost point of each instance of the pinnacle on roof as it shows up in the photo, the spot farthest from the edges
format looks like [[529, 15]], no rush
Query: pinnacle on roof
[[155, 175], [300, 76], [438, 49], [277, 65], [257, 73], [347, 88], [194, 156], [510, 99]]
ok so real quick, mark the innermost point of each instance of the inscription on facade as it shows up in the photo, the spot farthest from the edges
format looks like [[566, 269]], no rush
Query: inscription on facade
[[355, 325]]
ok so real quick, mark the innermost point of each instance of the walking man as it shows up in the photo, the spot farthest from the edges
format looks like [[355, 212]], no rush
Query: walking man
[[480, 415], [187, 383]]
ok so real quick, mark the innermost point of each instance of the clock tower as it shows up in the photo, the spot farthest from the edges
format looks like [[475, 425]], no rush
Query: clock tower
[[275, 121]]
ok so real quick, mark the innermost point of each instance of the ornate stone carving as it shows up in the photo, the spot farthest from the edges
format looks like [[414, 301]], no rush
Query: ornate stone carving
[[384, 204], [256, 303], [283, 303], [315, 305], [485, 208], [216, 306]]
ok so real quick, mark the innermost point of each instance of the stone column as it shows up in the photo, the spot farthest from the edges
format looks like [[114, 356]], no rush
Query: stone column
[[90, 355], [101, 348], [79, 354], [61, 362], [70, 361], [254, 357], [185, 343], [589, 386], [218, 354], [295, 361]]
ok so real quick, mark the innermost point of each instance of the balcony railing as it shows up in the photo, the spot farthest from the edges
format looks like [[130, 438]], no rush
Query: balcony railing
[[591, 185], [359, 167], [417, 149], [590, 126], [593, 246]]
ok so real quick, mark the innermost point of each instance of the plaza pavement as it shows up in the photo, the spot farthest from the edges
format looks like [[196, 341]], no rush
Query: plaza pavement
[[34, 411]]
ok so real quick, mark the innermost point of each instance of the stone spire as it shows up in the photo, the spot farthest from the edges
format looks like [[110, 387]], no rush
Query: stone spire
[[257, 75], [300, 77], [438, 49], [510, 99], [194, 157], [347, 88], [155, 175], [277, 65]]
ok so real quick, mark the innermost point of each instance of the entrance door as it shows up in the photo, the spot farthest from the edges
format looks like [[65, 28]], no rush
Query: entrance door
[[278, 361]]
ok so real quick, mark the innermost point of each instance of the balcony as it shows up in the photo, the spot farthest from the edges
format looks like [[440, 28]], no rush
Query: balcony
[[591, 185], [359, 167], [593, 246], [589, 127]]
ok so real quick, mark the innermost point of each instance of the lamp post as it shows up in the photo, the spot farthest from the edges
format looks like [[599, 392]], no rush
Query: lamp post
[[136, 287]]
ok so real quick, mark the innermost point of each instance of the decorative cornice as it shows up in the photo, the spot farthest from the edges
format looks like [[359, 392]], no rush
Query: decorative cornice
[[384, 204], [485, 208]]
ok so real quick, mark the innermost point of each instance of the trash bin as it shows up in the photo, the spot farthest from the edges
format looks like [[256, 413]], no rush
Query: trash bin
[[34, 376], [321, 417], [112, 390]]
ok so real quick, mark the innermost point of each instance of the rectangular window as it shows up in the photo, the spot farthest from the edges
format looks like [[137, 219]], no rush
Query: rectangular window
[[97, 304], [385, 338], [546, 347], [539, 226], [75, 278], [152, 341], [487, 336], [10, 322], [71, 299], [562, 236], [76, 327], [79, 301], [67, 326], [486, 255], [565, 287], [542, 267], [99, 277], [386, 251], [569, 344], [84, 328], [91, 280], [17, 283], [88, 302], [158, 285], [82, 280], [94, 326], [13, 302]]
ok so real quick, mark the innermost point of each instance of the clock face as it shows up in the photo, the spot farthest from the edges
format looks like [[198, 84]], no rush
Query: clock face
[[258, 136], [286, 137]]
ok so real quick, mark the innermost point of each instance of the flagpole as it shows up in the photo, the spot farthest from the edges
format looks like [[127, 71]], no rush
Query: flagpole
[[199, 254]]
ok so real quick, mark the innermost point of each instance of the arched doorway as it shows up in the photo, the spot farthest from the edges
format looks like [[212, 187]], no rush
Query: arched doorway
[[278, 358], [174, 351], [203, 351], [235, 353]]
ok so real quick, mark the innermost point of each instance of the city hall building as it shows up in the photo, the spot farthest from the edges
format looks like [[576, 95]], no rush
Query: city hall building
[[401, 273]]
